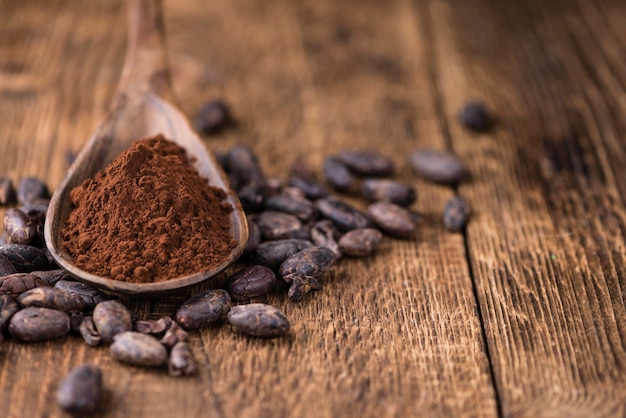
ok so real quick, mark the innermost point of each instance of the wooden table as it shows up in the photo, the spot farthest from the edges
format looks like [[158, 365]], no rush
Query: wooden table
[[521, 316]]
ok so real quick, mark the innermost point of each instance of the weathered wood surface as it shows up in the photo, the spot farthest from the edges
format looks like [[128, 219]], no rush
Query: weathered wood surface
[[523, 316]]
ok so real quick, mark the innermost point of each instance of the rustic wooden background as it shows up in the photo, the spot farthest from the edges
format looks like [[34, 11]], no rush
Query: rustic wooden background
[[521, 316]]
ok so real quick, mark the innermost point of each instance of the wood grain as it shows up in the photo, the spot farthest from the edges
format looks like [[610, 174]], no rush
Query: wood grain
[[521, 316], [546, 243]]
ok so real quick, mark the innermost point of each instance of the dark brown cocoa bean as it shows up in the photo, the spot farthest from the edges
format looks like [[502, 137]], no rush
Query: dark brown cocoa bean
[[252, 197], [301, 208], [367, 163], [278, 225], [311, 188], [138, 349], [18, 283], [254, 237], [80, 392], [273, 253], [173, 335], [154, 327], [360, 242], [300, 168], [389, 191], [31, 188], [53, 298], [337, 175], [89, 332], [343, 215], [20, 227], [303, 270], [250, 282], [438, 166], [294, 193], [24, 257], [474, 116], [111, 318], [90, 295], [273, 186], [51, 276], [203, 309], [212, 117], [181, 360], [242, 167], [455, 214], [6, 267], [76, 318], [392, 219], [36, 208], [325, 234], [259, 320], [8, 307], [39, 324], [7, 192]]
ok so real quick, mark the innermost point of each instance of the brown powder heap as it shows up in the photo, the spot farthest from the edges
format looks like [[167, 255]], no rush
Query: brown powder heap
[[148, 217]]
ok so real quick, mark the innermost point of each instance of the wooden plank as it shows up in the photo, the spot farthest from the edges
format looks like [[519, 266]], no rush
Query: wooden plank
[[372, 88], [394, 335], [546, 241]]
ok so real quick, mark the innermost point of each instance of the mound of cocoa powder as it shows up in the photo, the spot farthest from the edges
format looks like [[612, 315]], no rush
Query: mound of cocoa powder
[[148, 217]]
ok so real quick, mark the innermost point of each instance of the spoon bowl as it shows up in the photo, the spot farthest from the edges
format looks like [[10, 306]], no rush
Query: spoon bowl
[[142, 108]]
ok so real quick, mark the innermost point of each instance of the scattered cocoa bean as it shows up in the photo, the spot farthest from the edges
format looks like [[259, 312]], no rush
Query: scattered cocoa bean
[[311, 188], [242, 167], [203, 309], [474, 116], [325, 234], [303, 270], [360, 242], [181, 360], [173, 335], [250, 282], [338, 176], [81, 392], [367, 163], [39, 324], [138, 349], [90, 295], [152, 327], [53, 298], [212, 117], [343, 215], [6, 267], [18, 283], [8, 307], [20, 227], [389, 191], [278, 225], [111, 318], [303, 209], [438, 166], [89, 332], [50, 276], [24, 257], [259, 320], [392, 219], [455, 214], [273, 253], [31, 188]]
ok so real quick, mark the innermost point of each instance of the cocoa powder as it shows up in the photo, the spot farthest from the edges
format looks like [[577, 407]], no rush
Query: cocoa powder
[[148, 217]]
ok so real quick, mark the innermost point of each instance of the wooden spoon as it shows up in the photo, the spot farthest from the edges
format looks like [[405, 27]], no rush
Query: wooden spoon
[[141, 108]]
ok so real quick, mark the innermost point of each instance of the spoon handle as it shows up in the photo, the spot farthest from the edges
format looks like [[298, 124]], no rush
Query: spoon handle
[[146, 68]]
